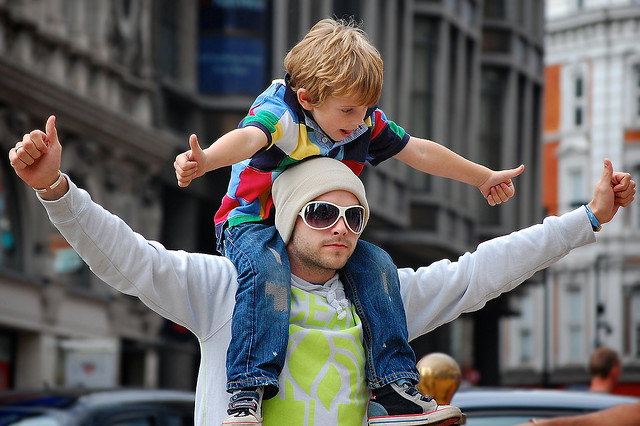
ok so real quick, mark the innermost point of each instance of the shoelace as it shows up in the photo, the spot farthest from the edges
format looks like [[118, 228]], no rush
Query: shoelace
[[412, 391], [242, 403]]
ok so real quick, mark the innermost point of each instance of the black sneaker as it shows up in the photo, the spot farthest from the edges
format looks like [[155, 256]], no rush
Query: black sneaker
[[245, 408], [401, 403]]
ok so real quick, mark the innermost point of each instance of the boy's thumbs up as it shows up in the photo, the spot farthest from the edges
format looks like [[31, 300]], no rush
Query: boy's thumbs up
[[196, 151]]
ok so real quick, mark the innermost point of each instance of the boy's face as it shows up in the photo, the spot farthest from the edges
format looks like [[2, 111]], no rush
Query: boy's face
[[337, 116]]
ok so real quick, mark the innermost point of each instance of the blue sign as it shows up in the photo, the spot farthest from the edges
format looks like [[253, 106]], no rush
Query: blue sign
[[231, 65]]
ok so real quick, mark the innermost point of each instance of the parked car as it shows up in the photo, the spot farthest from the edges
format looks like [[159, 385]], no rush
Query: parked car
[[504, 406], [121, 407]]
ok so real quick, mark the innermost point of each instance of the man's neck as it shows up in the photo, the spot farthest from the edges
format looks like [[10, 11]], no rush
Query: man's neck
[[600, 385], [314, 278], [309, 273]]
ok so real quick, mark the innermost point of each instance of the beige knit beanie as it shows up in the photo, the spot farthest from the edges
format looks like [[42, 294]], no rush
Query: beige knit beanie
[[305, 181]]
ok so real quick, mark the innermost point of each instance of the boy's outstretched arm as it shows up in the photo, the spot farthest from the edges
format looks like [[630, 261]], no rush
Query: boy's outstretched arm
[[435, 159], [231, 148]]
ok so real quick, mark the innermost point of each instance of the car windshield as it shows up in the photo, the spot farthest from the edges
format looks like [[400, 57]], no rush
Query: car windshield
[[21, 418], [497, 421]]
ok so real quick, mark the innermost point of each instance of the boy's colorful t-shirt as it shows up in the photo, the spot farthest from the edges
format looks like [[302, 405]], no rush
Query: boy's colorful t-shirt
[[322, 381], [294, 136]]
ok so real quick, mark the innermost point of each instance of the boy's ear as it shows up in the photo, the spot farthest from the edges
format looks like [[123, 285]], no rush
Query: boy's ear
[[303, 99]]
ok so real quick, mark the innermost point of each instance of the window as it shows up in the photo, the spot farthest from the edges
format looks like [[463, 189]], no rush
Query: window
[[634, 207], [233, 47], [525, 346], [9, 239], [6, 359], [168, 30], [493, 86], [526, 328], [425, 51], [498, 41], [576, 181], [579, 100], [347, 9], [469, 12], [634, 327], [578, 96], [575, 320], [635, 89], [495, 9]]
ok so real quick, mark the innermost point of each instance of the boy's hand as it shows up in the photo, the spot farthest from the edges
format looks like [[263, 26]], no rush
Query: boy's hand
[[190, 164], [498, 187]]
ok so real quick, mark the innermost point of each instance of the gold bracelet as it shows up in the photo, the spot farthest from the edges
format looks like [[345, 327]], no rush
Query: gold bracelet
[[52, 186]]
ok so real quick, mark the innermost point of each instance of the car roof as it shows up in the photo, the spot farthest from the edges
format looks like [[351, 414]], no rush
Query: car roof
[[63, 398], [483, 398]]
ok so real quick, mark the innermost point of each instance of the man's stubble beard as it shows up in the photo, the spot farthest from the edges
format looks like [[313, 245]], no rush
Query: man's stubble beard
[[311, 257]]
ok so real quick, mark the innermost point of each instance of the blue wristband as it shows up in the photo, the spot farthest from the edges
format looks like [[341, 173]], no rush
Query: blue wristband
[[595, 223]]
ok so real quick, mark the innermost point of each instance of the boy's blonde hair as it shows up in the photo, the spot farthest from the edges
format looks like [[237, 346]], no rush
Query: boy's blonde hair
[[336, 59]]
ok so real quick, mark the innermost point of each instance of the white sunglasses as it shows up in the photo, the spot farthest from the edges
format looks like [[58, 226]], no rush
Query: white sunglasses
[[321, 215]]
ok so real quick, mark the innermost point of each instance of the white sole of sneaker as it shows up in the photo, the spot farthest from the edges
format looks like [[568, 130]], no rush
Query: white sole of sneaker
[[442, 417], [242, 422]]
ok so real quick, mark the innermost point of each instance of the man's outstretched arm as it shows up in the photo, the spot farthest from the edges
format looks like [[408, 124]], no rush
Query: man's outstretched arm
[[436, 294], [194, 290]]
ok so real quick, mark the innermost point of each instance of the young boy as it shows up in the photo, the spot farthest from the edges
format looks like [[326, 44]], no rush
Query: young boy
[[324, 107]]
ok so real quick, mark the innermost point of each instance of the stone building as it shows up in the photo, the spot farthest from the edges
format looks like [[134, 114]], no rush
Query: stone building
[[592, 112]]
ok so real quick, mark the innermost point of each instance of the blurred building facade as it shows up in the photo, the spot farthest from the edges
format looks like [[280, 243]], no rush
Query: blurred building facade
[[592, 112], [129, 80]]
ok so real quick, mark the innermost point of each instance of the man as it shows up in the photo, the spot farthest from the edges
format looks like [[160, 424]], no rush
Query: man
[[323, 378], [605, 368]]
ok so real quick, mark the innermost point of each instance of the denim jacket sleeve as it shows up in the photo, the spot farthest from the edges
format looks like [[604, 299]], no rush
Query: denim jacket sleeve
[[194, 290], [439, 293]]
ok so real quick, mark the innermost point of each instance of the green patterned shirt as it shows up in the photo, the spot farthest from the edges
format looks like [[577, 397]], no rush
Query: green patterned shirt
[[323, 380]]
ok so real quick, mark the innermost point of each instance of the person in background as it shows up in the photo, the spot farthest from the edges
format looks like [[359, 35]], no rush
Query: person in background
[[605, 368]]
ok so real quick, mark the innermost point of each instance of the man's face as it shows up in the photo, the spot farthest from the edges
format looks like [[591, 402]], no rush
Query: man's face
[[337, 116], [316, 255]]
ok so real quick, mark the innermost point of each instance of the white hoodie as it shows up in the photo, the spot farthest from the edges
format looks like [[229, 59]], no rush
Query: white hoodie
[[198, 290]]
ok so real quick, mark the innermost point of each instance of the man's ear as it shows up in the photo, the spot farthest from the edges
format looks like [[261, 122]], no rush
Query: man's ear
[[303, 98]]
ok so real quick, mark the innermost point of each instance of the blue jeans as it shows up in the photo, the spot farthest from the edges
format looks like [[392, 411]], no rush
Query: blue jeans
[[371, 283], [260, 322]]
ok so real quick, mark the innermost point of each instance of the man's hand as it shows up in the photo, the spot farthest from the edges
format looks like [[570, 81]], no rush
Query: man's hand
[[36, 159], [190, 164], [613, 190], [498, 187]]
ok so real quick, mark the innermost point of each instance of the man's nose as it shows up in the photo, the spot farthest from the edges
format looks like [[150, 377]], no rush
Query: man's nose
[[340, 227]]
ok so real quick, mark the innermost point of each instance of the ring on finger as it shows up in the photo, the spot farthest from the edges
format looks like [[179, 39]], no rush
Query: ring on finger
[[18, 147]]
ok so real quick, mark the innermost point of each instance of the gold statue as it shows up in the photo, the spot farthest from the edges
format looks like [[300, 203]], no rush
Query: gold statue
[[440, 376]]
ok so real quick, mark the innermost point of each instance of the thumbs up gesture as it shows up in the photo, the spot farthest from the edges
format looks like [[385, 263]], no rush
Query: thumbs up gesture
[[36, 159], [190, 164], [613, 190]]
